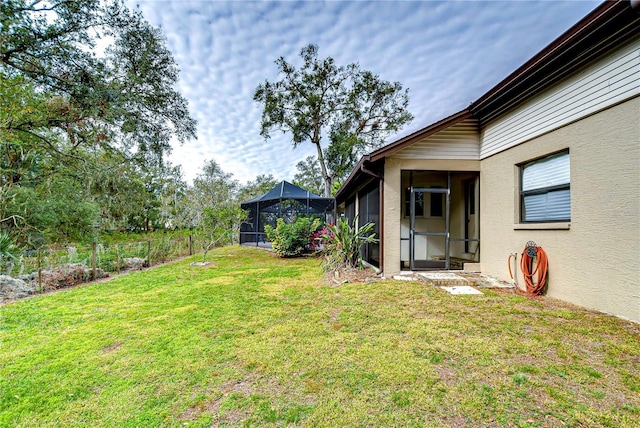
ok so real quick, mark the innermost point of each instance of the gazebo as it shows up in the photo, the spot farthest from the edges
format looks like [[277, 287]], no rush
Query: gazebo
[[285, 201]]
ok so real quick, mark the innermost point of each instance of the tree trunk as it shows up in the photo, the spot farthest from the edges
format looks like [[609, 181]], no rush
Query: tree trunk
[[325, 173]]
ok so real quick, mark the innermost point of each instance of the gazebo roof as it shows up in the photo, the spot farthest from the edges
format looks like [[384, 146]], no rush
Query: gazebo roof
[[285, 190]]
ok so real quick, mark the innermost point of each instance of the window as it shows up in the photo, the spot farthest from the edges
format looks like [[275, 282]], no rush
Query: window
[[419, 203], [434, 203], [545, 193]]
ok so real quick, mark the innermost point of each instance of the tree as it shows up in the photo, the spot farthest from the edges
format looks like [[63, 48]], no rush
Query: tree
[[261, 185], [220, 224], [212, 188], [124, 100], [118, 187], [213, 207], [81, 128], [172, 196], [309, 176], [60, 211], [354, 109]]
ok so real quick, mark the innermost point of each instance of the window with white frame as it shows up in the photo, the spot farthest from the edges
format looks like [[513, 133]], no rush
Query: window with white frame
[[545, 189]]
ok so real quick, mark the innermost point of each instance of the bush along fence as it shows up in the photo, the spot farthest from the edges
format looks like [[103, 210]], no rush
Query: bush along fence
[[47, 269]]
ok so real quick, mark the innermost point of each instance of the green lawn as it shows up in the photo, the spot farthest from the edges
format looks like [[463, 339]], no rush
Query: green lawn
[[254, 340]]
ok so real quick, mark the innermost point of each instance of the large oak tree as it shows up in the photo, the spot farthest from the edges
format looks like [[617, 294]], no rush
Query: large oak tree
[[123, 98], [88, 107], [342, 110]]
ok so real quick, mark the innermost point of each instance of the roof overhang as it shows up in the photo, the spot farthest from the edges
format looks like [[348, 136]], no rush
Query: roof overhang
[[364, 171], [434, 128], [607, 26], [369, 164]]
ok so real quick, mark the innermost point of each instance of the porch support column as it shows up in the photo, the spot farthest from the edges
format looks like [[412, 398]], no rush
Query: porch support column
[[257, 229]]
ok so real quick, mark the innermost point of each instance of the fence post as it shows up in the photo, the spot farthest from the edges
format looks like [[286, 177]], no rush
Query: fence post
[[149, 253], [93, 261], [39, 269], [164, 248], [117, 259], [190, 245]]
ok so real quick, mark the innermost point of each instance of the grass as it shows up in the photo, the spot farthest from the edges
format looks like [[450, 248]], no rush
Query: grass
[[253, 340]]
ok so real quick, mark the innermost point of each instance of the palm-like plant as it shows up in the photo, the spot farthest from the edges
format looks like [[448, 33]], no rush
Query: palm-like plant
[[8, 250], [343, 243]]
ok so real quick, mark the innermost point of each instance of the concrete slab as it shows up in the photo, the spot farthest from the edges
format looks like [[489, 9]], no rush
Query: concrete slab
[[260, 245], [448, 278], [405, 278], [462, 289], [471, 267], [486, 281]]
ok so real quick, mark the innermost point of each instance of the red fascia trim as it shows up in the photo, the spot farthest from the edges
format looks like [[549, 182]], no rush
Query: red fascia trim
[[568, 38]]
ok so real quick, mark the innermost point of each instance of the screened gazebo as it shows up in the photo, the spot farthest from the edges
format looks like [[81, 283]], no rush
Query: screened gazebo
[[285, 201]]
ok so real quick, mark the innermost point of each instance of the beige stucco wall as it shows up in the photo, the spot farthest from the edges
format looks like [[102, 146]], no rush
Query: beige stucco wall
[[596, 262], [393, 200]]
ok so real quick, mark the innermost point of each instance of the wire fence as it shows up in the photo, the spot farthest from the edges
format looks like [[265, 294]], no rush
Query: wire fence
[[57, 267]]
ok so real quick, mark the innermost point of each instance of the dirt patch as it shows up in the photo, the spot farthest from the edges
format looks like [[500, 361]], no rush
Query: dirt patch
[[251, 384], [111, 348], [333, 315], [349, 275], [205, 265], [68, 276], [447, 375]]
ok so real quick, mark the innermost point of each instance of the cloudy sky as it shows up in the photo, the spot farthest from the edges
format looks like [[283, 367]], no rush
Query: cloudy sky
[[447, 53]]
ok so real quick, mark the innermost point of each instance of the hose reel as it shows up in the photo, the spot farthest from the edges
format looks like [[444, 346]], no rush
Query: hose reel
[[531, 256], [531, 249]]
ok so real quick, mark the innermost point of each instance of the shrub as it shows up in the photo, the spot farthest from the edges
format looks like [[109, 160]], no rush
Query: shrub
[[317, 240], [291, 239], [343, 243], [8, 251]]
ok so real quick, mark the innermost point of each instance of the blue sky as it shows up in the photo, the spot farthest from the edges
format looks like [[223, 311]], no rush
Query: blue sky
[[447, 53]]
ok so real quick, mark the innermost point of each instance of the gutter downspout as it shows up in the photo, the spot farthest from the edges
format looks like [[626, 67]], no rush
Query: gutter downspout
[[369, 172], [381, 216], [366, 264]]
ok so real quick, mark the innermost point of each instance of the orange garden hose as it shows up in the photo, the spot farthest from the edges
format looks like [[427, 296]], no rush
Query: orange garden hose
[[534, 288], [515, 280]]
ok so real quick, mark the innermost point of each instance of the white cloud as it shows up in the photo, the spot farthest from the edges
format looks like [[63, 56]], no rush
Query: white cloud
[[447, 53]]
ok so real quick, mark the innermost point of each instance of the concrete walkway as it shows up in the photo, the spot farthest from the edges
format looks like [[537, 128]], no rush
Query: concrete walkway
[[455, 278]]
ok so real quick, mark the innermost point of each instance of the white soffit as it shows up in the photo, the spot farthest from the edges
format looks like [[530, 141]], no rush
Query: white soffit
[[460, 141]]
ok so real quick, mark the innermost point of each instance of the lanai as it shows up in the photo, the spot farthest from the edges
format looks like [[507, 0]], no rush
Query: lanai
[[285, 201]]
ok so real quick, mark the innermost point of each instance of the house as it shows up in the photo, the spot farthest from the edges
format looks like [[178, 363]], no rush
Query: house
[[551, 155]]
